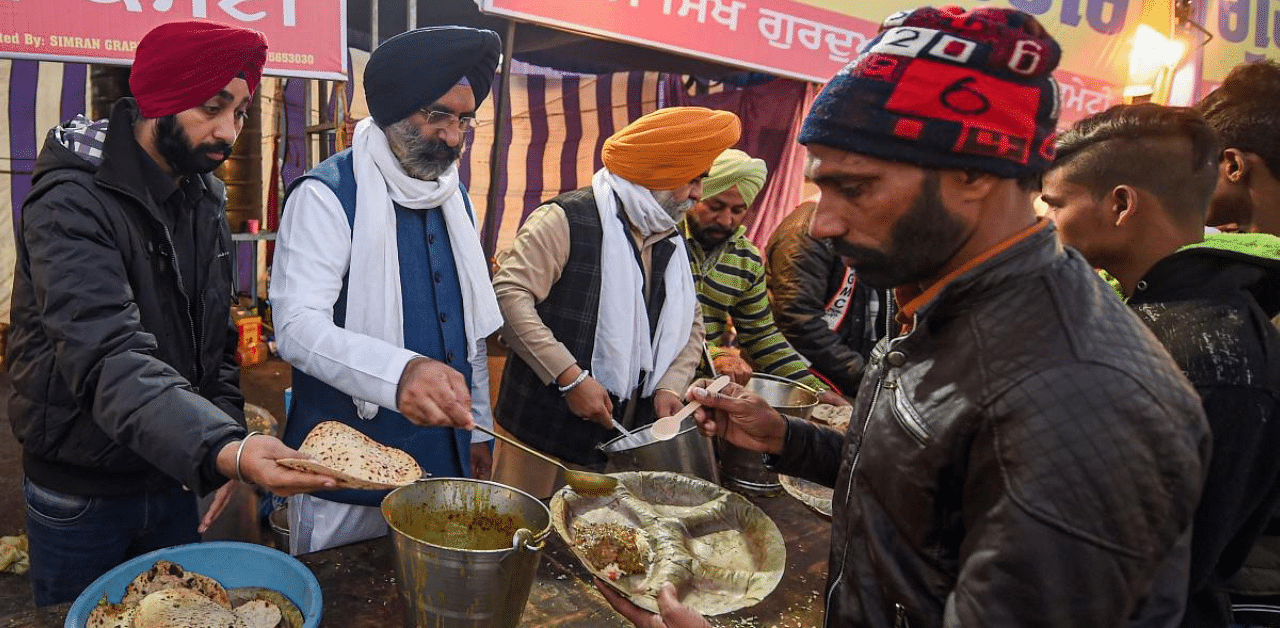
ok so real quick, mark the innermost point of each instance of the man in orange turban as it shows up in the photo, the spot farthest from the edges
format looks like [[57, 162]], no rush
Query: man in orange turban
[[125, 396], [598, 298]]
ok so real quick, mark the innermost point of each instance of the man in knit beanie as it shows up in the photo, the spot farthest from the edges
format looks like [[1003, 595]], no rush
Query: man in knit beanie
[[1023, 452], [598, 300]]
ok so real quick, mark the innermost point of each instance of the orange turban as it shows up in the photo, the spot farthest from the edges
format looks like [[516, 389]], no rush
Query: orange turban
[[670, 147]]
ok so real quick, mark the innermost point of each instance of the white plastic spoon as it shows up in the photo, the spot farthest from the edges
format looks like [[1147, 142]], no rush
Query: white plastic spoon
[[668, 426]]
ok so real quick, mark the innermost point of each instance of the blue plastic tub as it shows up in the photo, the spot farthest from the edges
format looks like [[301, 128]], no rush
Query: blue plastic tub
[[230, 563]]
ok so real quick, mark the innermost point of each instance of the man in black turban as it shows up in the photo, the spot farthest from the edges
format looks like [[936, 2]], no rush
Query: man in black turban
[[380, 289]]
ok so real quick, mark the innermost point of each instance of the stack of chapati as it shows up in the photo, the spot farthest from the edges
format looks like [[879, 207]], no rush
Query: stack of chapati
[[353, 459], [168, 596]]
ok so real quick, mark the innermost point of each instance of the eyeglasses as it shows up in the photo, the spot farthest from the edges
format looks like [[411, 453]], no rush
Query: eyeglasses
[[446, 119]]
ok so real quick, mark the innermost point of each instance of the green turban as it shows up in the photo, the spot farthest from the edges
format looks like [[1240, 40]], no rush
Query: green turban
[[734, 167]]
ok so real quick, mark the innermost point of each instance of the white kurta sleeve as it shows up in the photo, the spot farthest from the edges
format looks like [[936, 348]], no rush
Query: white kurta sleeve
[[313, 253], [481, 410]]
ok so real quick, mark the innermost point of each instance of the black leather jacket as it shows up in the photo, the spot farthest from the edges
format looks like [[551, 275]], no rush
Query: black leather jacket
[[116, 390], [803, 275], [1028, 455]]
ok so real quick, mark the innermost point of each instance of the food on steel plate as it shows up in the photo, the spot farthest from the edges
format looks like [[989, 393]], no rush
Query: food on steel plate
[[353, 459], [614, 549], [720, 551]]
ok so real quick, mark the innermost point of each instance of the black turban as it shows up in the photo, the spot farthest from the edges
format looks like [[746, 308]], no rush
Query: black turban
[[413, 69]]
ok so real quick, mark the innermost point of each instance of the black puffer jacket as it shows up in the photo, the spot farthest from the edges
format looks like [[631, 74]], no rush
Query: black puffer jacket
[[804, 274], [115, 389], [1211, 304], [1028, 455]]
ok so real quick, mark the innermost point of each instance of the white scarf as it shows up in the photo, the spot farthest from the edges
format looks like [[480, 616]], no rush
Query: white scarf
[[373, 287], [623, 348]]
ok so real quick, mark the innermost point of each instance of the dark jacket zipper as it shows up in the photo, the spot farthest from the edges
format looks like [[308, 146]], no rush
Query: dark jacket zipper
[[900, 617], [191, 326], [173, 259], [853, 467]]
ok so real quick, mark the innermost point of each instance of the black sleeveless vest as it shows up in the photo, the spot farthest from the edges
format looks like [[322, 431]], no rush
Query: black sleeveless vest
[[536, 413]]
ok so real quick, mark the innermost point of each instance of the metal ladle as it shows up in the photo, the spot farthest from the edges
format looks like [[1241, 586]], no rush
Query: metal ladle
[[583, 482]]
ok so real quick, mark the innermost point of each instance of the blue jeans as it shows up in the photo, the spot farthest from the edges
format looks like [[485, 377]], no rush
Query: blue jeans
[[74, 539]]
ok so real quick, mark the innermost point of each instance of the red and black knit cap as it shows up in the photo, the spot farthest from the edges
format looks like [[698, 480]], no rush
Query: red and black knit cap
[[945, 88]]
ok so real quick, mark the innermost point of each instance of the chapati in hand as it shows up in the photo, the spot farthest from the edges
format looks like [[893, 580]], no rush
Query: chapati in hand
[[353, 459]]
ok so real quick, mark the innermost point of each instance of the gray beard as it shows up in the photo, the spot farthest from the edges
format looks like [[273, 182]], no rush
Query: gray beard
[[667, 201], [419, 157]]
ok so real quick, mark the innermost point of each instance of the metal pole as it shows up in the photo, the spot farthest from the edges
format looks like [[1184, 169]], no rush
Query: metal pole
[[373, 24], [412, 22], [500, 125], [306, 122]]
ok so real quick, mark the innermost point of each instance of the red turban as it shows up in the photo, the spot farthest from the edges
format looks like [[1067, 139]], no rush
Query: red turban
[[180, 65], [670, 147]]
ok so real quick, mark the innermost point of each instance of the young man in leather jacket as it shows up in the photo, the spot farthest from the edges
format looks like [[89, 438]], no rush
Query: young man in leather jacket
[[1129, 189]]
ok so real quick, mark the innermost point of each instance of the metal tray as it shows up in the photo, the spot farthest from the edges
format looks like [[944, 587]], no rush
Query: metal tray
[[720, 550]]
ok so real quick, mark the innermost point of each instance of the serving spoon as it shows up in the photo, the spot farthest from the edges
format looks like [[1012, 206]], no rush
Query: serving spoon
[[583, 482], [668, 426]]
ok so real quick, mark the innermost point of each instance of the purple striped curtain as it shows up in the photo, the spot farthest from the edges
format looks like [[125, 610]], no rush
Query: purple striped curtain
[[39, 95]]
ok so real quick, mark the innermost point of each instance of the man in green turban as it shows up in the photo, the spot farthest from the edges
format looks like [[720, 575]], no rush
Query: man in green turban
[[729, 275]]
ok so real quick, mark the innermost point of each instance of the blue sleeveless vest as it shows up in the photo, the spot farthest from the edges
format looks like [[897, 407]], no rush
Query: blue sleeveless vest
[[433, 327]]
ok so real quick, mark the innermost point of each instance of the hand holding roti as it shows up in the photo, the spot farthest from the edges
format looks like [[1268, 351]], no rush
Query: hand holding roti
[[257, 465]]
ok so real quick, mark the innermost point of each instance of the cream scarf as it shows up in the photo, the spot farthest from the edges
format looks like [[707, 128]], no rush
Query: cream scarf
[[623, 348], [374, 305]]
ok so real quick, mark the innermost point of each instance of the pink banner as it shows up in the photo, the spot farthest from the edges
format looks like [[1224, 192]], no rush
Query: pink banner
[[1082, 96], [786, 38], [307, 38], [812, 40]]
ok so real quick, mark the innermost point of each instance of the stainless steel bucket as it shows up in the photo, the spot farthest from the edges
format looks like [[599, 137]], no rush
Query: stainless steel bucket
[[688, 452], [466, 551], [279, 520], [786, 396], [744, 470]]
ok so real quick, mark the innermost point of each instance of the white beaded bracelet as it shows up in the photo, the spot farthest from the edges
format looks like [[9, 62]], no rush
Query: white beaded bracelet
[[240, 450]]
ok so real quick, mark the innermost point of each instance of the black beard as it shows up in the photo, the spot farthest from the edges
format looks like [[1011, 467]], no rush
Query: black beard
[[709, 237], [923, 239], [421, 158], [173, 144]]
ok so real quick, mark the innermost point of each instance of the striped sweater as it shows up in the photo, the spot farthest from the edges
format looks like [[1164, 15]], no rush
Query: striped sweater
[[731, 287]]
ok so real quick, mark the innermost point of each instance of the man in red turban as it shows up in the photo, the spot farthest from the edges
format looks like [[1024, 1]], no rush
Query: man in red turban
[[597, 295], [125, 396]]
